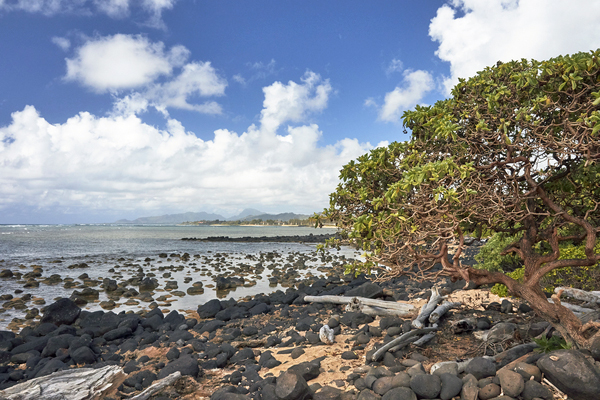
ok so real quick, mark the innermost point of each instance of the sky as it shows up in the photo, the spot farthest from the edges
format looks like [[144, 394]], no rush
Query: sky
[[114, 109]]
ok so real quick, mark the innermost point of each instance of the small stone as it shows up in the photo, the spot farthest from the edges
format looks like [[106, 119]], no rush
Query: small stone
[[426, 386], [527, 371], [481, 367], [489, 391], [512, 382], [535, 390]]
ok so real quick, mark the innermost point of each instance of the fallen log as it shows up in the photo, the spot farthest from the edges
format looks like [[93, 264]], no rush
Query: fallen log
[[157, 386], [578, 294], [441, 310], [71, 384], [427, 309], [380, 352], [577, 310], [367, 306]]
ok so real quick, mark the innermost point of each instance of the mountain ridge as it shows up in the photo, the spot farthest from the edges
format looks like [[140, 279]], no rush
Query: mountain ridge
[[247, 214]]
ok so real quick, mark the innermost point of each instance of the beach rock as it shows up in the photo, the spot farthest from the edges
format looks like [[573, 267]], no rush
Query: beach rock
[[451, 386], [292, 386], [369, 290], [118, 333], [147, 284], [185, 364], [470, 390], [308, 369], [426, 386], [209, 309], [535, 390], [83, 355], [386, 383], [489, 391], [481, 367], [511, 382], [400, 393], [572, 373], [528, 370], [63, 311]]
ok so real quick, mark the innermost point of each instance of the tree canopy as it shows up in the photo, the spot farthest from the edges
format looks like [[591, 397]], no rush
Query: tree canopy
[[515, 149]]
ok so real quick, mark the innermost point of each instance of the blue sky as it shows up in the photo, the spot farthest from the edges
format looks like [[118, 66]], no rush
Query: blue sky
[[115, 109]]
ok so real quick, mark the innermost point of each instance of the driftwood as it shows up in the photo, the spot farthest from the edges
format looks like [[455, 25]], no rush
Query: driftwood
[[380, 352], [367, 306], [157, 386], [578, 294], [441, 310], [577, 310], [424, 339], [427, 309], [71, 384]]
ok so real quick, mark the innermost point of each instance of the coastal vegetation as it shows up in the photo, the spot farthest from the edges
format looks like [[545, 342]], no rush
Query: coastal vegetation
[[255, 222], [513, 155]]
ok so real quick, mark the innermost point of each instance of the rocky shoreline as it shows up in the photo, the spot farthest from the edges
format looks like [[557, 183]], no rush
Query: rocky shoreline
[[310, 238], [268, 347]]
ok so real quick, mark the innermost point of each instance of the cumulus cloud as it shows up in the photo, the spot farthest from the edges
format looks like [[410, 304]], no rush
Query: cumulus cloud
[[153, 9], [294, 102], [160, 77], [121, 62], [119, 162], [416, 85], [196, 78], [473, 34]]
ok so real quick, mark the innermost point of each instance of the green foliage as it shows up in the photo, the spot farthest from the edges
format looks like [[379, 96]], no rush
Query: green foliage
[[552, 344], [513, 151], [501, 290], [490, 255]]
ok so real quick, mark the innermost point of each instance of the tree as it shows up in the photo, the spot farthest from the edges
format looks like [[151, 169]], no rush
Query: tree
[[515, 150]]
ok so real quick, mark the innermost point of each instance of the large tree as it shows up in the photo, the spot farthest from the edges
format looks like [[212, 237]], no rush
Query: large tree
[[515, 149]]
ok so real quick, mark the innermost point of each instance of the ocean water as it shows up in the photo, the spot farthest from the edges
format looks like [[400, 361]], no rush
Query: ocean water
[[122, 251]]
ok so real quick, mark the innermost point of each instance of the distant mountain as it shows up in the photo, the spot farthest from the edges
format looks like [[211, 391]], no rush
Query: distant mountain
[[246, 213], [277, 217], [174, 218]]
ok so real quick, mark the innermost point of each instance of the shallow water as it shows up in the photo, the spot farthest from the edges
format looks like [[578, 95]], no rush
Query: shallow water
[[120, 251]]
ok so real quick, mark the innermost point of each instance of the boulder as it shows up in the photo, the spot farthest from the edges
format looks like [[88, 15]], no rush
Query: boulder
[[369, 290], [572, 373], [210, 308], [63, 311], [292, 386]]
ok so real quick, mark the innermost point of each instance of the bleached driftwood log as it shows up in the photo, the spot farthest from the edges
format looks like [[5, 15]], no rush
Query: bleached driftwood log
[[577, 310], [71, 384], [441, 310], [578, 294], [157, 386], [424, 339], [427, 309], [367, 306], [406, 337]]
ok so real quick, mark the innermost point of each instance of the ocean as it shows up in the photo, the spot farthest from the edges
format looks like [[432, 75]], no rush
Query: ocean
[[120, 252]]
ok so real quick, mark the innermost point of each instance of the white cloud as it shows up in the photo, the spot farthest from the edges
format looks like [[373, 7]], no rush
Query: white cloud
[[293, 102], [415, 86], [239, 79], [113, 8], [504, 30], [63, 43], [121, 62], [394, 66], [196, 78], [121, 163]]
